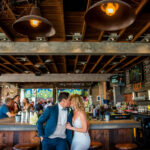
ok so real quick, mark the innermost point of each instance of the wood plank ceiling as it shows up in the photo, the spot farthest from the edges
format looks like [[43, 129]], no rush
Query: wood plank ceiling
[[67, 17], [47, 64]]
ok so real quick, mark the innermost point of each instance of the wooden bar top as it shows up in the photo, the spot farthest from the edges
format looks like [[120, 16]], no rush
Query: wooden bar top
[[10, 124], [114, 124]]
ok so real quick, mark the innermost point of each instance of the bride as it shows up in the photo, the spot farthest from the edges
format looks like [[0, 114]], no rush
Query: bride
[[81, 138]]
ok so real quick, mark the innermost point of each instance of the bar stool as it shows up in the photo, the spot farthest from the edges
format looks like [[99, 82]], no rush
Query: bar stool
[[126, 146], [95, 145], [2, 146], [25, 146]]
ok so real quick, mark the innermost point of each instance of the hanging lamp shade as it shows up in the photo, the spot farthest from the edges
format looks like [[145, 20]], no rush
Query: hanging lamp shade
[[110, 15], [34, 25]]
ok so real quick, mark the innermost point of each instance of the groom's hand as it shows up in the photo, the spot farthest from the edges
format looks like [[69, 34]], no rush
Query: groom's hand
[[41, 138]]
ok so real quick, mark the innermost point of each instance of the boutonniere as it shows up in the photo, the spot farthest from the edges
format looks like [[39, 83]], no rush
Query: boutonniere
[[69, 111]]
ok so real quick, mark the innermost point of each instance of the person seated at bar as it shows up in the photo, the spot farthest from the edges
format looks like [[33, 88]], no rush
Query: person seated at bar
[[39, 107], [4, 109], [27, 105], [17, 106]]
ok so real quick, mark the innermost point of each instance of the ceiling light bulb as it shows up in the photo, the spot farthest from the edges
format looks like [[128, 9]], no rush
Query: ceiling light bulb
[[34, 23], [109, 8]]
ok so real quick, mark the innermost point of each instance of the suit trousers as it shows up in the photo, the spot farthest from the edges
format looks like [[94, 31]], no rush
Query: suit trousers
[[54, 144]]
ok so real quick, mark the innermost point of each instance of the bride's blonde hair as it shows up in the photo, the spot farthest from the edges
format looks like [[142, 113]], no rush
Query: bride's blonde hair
[[77, 101]]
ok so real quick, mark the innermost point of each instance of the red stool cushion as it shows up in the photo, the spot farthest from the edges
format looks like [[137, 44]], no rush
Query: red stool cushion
[[126, 146], [24, 146], [95, 145]]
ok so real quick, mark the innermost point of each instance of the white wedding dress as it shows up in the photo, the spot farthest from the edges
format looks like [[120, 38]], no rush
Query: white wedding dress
[[81, 141]]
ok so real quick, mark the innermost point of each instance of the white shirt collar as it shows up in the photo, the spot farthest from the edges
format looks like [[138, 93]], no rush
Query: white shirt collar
[[60, 107]]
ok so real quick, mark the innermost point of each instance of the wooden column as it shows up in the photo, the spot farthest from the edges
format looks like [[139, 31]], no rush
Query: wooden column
[[54, 95], [100, 92], [104, 90]]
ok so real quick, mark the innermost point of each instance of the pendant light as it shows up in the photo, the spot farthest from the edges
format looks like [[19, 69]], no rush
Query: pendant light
[[110, 15], [34, 25]]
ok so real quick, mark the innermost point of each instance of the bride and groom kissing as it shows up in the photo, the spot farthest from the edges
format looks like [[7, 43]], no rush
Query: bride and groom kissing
[[61, 121]]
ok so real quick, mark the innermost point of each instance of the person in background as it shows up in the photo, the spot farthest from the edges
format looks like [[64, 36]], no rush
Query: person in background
[[27, 105], [39, 107], [4, 109], [32, 106], [48, 104], [17, 106]]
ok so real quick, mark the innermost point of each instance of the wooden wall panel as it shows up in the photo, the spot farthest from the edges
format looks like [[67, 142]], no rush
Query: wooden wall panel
[[111, 137]]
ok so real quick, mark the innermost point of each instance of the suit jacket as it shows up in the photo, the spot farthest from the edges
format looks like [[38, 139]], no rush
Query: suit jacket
[[50, 116]]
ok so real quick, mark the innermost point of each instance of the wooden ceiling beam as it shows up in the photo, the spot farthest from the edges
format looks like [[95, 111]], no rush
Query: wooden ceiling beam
[[138, 9], [2, 25], [41, 61], [8, 62], [84, 23], [65, 64], [19, 63], [54, 64], [62, 18], [3, 70], [4, 60], [84, 67], [100, 36], [55, 78], [106, 64], [141, 32], [136, 63], [98, 61], [123, 59], [75, 64], [8, 68], [10, 11], [131, 61]]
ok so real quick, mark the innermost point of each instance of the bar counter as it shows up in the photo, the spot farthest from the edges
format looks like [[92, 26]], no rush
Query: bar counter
[[9, 124], [108, 132]]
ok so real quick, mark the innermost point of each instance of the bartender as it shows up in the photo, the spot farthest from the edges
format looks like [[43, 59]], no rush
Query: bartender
[[17, 106], [5, 109]]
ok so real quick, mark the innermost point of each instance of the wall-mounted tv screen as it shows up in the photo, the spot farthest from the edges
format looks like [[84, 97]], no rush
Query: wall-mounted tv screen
[[114, 79], [136, 73], [118, 79]]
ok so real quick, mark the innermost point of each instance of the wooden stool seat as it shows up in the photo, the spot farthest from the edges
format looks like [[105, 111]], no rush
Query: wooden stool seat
[[127, 146], [95, 145], [25, 146], [2, 146]]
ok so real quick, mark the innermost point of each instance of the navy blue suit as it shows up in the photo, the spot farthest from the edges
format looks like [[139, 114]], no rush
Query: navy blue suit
[[50, 116]]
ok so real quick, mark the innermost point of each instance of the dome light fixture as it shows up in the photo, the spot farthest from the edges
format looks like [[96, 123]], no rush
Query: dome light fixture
[[110, 15], [34, 25]]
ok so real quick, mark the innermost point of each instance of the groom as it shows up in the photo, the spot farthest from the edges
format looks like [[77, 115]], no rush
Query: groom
[[54, 135]]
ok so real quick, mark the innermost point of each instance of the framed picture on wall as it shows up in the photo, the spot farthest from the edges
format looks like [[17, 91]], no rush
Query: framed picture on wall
[[98, 98]]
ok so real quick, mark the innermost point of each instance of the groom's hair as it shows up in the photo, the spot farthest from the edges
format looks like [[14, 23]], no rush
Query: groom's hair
[[63, 95]]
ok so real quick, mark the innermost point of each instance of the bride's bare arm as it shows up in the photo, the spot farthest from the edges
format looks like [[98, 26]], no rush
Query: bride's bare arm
[[84, 124]]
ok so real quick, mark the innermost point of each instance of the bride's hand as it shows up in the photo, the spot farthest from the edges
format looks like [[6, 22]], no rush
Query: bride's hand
[[68, 126]]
